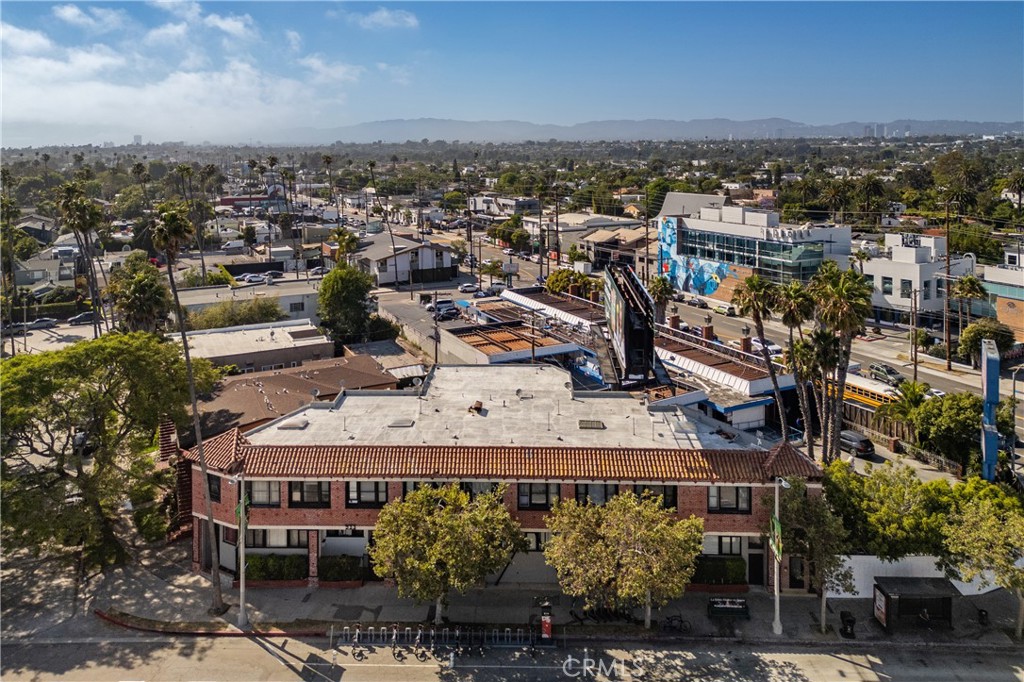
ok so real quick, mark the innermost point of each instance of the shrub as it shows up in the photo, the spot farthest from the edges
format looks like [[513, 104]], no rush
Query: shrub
[[151, 522], [277, 566], [713, 570], [937, 351], [342, 567]]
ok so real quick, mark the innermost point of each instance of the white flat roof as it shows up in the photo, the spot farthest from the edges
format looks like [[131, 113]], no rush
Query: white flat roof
[[212, 343], [520, 405]]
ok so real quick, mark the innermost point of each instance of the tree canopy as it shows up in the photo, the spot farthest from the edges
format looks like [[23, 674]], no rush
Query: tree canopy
[[985, 328], [343, 301], [235, 313], [77, 437], [439, 539], [139, 294]]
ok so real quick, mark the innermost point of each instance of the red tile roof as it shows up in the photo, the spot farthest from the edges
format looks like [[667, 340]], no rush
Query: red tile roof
[[507, 463]]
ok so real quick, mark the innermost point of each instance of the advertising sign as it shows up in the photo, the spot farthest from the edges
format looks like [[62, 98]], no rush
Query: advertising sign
[[880, 611]]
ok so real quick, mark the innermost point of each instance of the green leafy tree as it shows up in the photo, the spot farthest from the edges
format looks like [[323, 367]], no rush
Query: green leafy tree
[[453, 201], [629, 551], [138, 294], [559, 282], [985, 328], [194, 278], [519, 239], [436, 540], [986, 541], [173, 231], [130, 202], [491, 270], [813, 531], [576, 254], [755, 297], [343, 301], [236, 313], [77, 438], [656, 191], [460, 249]]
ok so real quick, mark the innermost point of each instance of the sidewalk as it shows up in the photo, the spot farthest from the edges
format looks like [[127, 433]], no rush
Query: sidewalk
[[160, 593]]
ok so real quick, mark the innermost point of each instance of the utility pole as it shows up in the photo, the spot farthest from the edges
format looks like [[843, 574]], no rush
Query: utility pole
[[558, 237], [945, 291], [437, 334], [913, 330]]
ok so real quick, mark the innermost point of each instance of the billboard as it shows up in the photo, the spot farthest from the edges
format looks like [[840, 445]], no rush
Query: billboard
[[629, 311]]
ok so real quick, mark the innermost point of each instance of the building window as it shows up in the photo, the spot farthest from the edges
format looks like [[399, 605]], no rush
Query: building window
[[214, 487], [409, 486], [906, 288], [312, 494], [230, 536], [537, 495], [367, 493], [940, 288], [535, 541], [667, 492], [263, 493], [887, 286], [297, 307], [730, 544], [298, 538], [870, 279], [478, 488], [926, 290], [595, 493], [729, 499], [255, 538], [346, 532]]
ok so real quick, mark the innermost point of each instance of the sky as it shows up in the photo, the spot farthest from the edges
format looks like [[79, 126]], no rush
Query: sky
[[236, 72]]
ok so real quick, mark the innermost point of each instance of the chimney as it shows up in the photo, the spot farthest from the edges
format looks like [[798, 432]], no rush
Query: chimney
[[595, 296], [574, 290], [168, 437], [708, 332], [745, 345], [673, 321]]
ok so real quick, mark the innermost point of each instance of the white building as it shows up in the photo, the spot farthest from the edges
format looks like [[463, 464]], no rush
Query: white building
[[909, 268], [408, 261]]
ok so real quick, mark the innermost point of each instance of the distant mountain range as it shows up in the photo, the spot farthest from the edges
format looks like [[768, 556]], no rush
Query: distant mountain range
[[401, 130]]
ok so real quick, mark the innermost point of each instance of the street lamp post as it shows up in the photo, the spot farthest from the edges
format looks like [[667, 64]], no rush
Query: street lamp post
[[776, 532], [239, 478]]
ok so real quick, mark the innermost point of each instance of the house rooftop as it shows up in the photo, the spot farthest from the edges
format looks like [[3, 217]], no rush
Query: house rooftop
[[253, 338]]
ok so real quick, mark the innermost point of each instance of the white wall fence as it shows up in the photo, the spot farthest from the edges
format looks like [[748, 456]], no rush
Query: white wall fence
[[866, 568]]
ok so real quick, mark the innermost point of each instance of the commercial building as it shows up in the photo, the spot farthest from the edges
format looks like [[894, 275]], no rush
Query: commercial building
[[296, 297], [1005, 286], [260, 347], [318, 477], [710, 254]]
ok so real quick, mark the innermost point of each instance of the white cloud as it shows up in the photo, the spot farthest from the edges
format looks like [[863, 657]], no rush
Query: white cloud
[[294, 40], [168, 33], [236, 26], [327, 72], [183, 9], [399, 74], [97, 19], [22, 41], [382, 18], [78, 63]]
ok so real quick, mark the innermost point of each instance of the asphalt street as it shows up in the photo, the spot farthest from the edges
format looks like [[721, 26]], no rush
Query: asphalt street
[[244, 659]]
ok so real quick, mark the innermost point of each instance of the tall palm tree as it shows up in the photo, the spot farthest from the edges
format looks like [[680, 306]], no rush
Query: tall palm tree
[[185, 173], [844, 301], [967, 288], [834, 195], [794, 306], [660, 290], [327, 160], [755, 297], [174, 230], [252, 163], [912, 395], [1015, 183], [871, 190], [83, 217], [384, 218], [348, 242]]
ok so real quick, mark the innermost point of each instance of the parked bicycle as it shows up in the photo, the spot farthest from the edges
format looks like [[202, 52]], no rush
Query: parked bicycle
[[357, 651], [676, 624], [419, 651]]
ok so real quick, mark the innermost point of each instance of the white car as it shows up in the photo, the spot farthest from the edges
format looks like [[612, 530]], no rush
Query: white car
[[773, 348], [468, 288], [934, 393], [508, 251]]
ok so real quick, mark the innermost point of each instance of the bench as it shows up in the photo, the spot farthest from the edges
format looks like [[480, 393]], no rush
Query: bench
[[728, 606]]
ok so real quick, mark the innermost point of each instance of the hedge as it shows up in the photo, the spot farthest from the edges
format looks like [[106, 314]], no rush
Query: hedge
[[61, 311], [276, 567], [716, 570], [342, 567]]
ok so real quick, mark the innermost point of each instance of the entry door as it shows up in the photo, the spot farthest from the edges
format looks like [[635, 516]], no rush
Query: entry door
[[796, 573], [755, 569]]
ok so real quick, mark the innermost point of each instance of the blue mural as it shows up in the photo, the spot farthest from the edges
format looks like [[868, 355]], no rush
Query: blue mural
[[687, 273]]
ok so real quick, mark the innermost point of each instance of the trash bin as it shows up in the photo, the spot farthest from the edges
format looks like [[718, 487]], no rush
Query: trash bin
[[982, 617], [848, 621]]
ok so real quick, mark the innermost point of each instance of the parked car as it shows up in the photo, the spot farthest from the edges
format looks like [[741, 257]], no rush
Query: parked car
[[468, 288], [82, 318], [481, 294], [535, 258], [487, 261], [934, 393], [857, 443], [886, 373], [440, 304], [42, 323], [525, 255], [446, 314], [13, 329], [727, 310], [773, 348], [319, 271], [697, 302], [276, 274]]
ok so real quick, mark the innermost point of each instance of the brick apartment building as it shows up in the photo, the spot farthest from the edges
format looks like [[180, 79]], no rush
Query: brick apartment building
[[317, 478]]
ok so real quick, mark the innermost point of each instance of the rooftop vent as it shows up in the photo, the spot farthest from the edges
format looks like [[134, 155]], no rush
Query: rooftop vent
[[401, 424], [293, 424], [592, 424]]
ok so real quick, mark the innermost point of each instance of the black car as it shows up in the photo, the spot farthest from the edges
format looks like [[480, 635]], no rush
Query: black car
[[276, 274], [82, 318], [446, 314], [697, 303]]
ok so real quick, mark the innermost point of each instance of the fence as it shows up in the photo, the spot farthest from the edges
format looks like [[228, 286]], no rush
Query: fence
[[447, 636]]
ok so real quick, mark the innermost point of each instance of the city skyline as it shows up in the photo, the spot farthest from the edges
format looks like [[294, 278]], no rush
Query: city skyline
[[233, 72]]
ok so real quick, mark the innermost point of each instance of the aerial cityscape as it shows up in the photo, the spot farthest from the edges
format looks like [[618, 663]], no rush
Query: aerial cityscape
[[511, 341]]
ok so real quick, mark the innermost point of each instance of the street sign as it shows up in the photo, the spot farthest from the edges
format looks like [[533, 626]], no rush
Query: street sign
[[238, 508]]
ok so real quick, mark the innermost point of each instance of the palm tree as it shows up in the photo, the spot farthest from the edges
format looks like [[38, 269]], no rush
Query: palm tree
[[967, 288], [755, 297], [327, 160], [834, 195], [660, 290], [858, 259], [185, 173], [348, 242], [871, 190], [174, 230], [491, 269], [1015, 184], [83, 217], [794, 306], [844, 301], [912, 395]]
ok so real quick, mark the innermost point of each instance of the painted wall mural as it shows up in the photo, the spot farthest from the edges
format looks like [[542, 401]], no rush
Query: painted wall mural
[[694, 275]]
